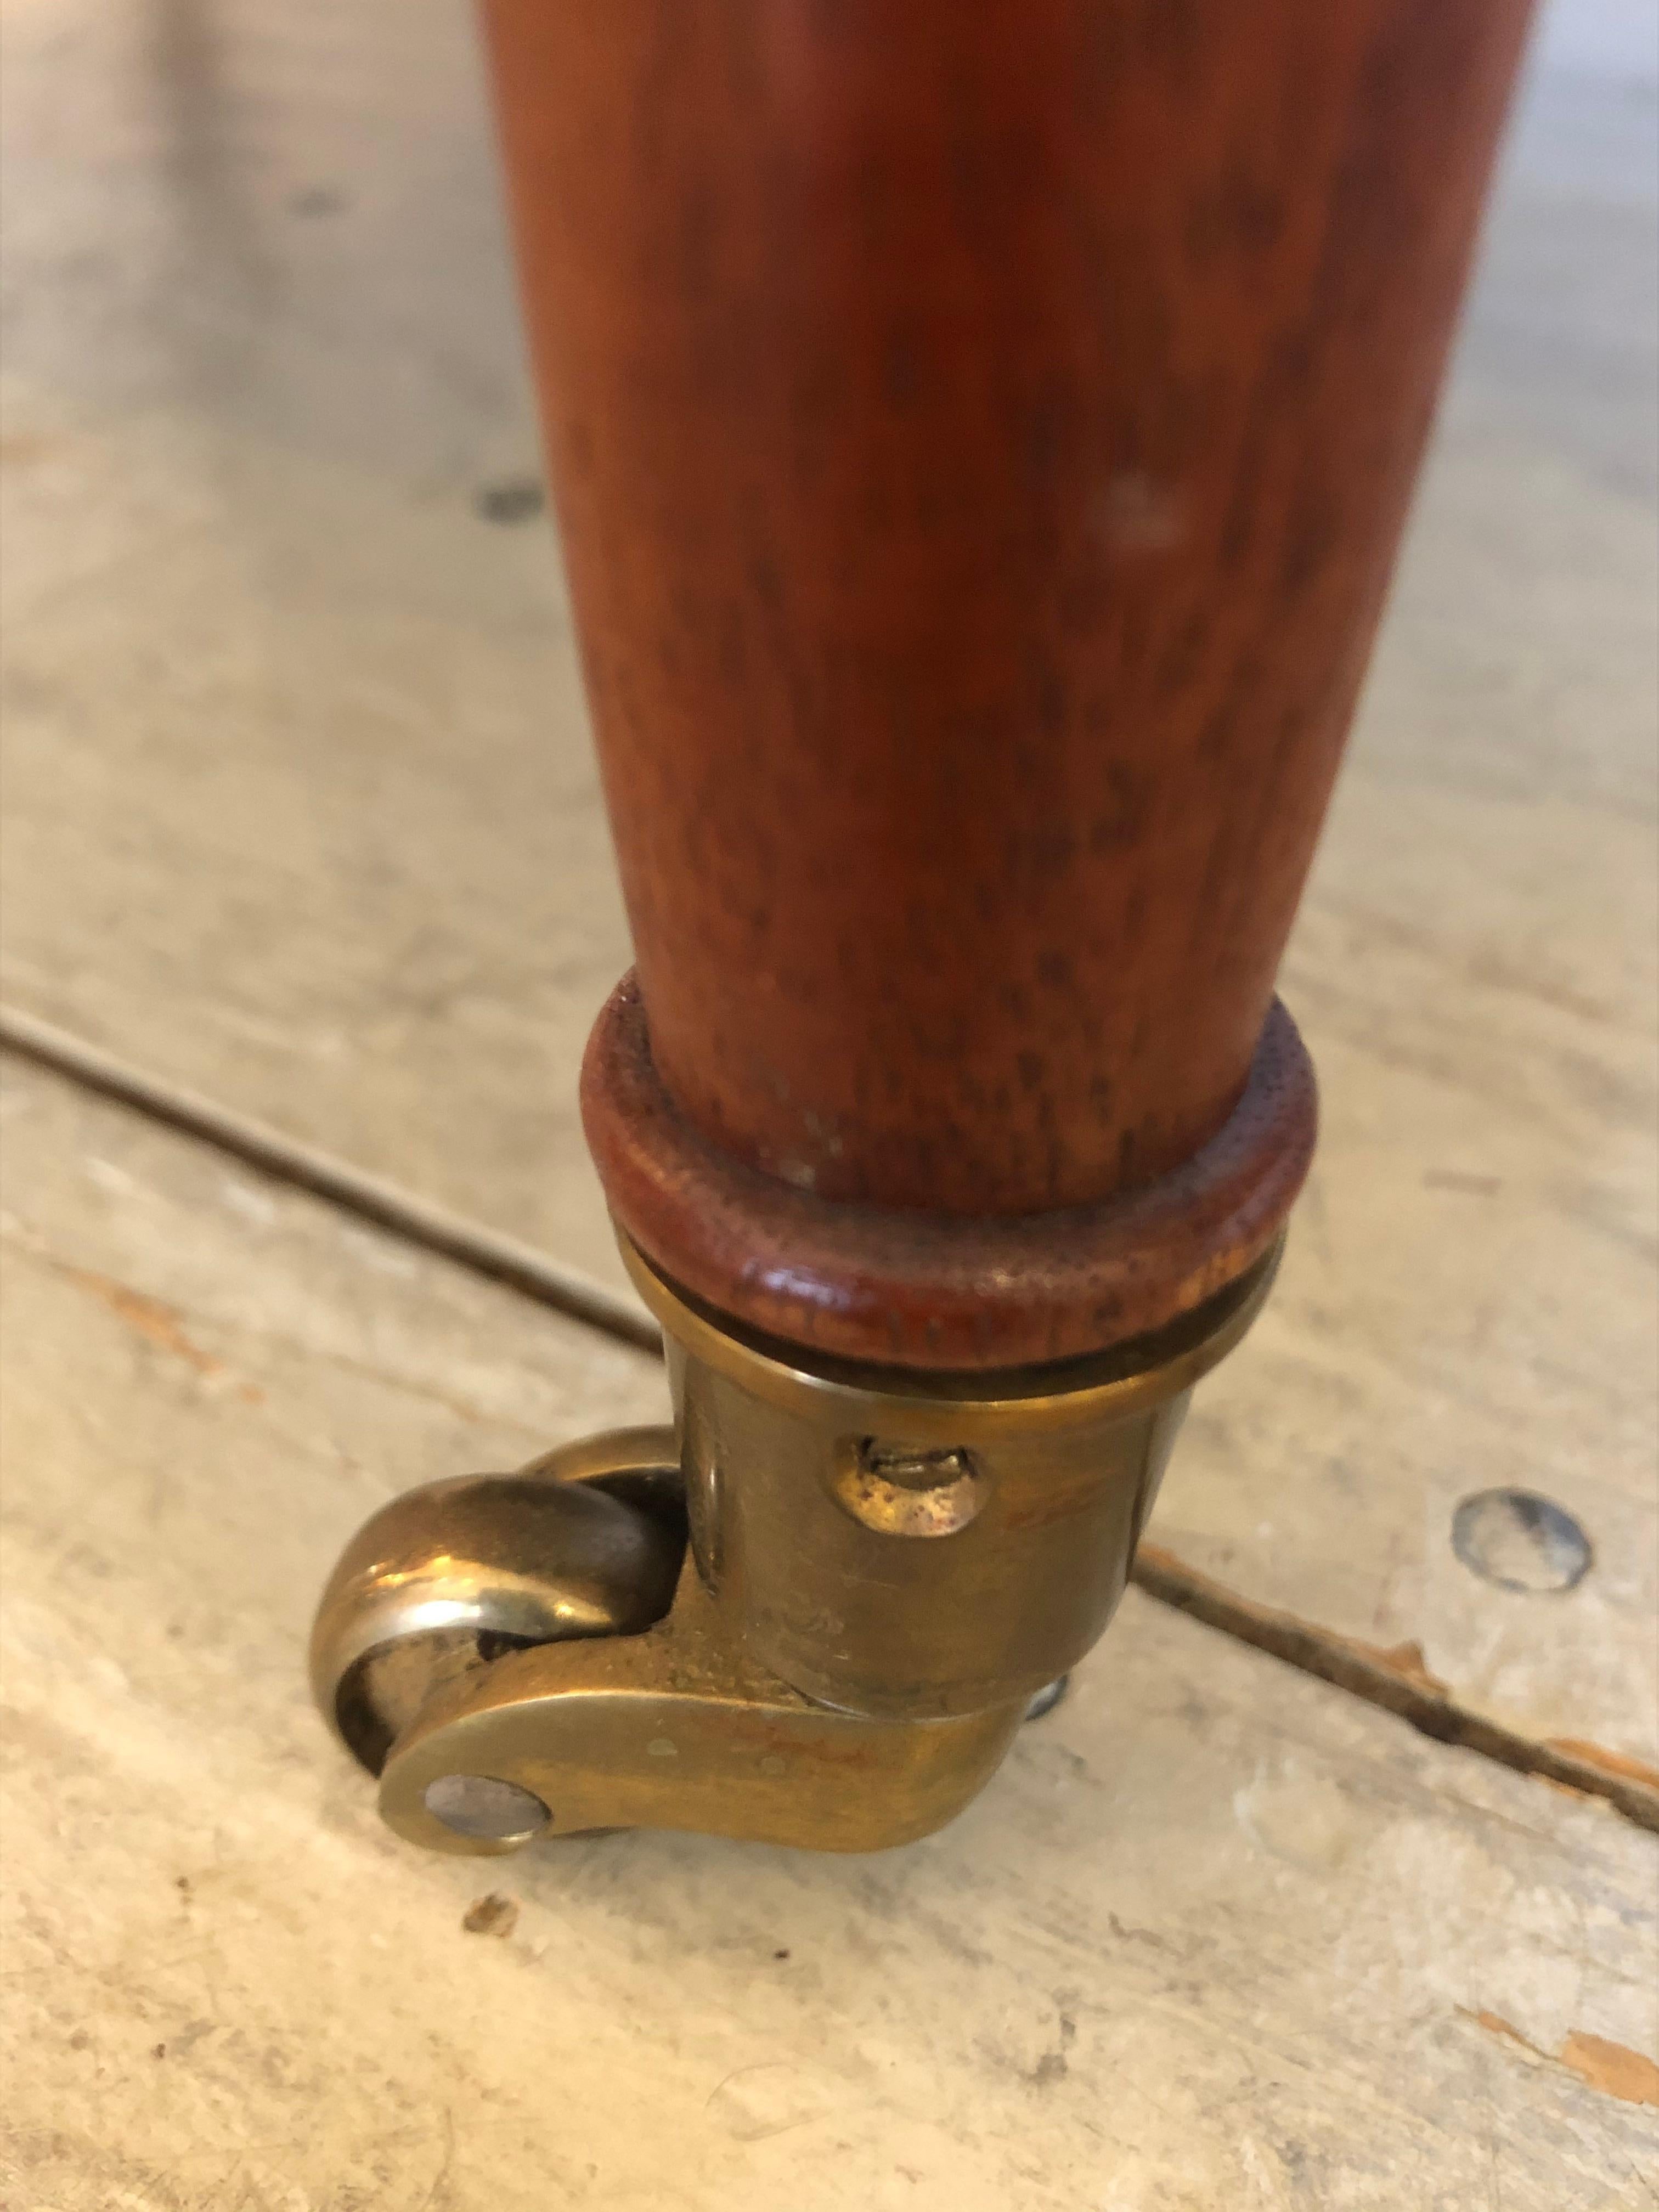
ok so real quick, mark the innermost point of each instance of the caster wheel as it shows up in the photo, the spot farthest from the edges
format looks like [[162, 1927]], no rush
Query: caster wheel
[[450, 1576]]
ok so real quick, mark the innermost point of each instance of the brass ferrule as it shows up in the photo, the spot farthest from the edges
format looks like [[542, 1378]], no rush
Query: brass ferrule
[[909, 1545]]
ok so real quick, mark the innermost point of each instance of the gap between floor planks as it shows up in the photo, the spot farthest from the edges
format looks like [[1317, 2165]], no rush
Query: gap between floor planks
[[1396, 1679]]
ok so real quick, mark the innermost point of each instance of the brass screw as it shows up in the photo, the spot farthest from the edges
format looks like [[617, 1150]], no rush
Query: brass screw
[[910, 1490]]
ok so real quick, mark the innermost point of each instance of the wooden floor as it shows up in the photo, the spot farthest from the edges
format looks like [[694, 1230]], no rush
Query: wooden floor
[[301, 815]]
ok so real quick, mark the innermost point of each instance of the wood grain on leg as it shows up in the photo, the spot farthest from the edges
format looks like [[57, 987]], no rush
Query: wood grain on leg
[[981, 438]]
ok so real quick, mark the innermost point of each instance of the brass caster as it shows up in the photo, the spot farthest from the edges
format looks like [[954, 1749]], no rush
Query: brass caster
[[815, 1612], [581, 1552]]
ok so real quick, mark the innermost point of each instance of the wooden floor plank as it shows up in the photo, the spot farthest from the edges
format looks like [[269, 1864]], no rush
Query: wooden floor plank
[[301, 802]]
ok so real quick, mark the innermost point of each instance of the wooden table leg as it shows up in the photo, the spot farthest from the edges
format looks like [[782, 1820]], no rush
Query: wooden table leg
[[981, 439]]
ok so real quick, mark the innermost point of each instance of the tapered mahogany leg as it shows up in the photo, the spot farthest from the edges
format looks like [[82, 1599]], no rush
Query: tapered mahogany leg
[[981, 436], [980, 431]]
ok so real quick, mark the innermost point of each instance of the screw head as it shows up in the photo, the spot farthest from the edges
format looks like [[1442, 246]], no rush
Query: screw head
[[1520, 1540], [909, 1490]]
